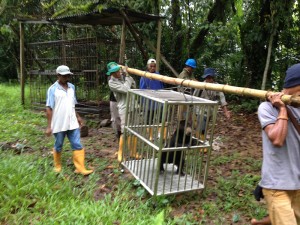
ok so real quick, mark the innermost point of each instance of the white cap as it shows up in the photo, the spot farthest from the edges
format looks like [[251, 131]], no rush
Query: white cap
[[63, 70], [151, 61]]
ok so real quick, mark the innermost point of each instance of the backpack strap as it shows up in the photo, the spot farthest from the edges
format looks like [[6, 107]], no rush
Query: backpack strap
[[293, 119]]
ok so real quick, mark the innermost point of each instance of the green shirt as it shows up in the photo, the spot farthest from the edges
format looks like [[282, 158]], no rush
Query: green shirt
[[185, 74]]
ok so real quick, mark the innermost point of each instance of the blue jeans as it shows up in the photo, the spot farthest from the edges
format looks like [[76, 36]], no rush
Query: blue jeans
[[73, 136]]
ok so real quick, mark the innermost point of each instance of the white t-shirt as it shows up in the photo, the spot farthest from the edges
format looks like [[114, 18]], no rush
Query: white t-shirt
[[62, 102]]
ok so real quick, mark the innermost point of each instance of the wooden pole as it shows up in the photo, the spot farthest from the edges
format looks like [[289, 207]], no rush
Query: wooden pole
[[158, 45], [135, 35], [64, 54], [22, 69], [163, 59], [287, 99], [122, 44]]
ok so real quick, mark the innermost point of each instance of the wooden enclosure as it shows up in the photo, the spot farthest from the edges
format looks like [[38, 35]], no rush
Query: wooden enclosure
[[86, 57]]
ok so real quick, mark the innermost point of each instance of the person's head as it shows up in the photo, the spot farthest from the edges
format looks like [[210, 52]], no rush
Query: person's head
[[292, 79], [63, 73], [190, 64], [151, 65], [113, 69], [209, 75]]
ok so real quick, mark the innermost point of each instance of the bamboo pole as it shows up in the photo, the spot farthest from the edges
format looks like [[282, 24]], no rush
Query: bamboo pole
[[287, 99], [158, 43]]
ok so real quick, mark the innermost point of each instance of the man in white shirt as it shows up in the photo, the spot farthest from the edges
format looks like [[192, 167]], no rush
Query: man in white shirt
[[63, 120]]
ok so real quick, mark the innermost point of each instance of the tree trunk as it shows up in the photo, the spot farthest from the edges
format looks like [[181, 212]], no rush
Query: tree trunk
[[217, 12], [177, 41]]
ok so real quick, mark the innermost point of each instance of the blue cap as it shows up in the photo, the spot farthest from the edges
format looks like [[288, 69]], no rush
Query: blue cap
[[292, 77], [209, 72]]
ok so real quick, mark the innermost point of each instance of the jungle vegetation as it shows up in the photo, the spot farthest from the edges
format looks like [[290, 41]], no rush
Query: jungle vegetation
[[244, 39]]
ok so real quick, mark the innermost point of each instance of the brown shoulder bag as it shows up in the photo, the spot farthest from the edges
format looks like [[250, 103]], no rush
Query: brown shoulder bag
[[293, 119]]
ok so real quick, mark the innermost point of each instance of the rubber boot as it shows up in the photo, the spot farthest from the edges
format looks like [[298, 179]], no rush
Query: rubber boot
[[120, 152], [78, 160], [150, 132], [57, 161], [202, 137], [132, 145], [164, 131]]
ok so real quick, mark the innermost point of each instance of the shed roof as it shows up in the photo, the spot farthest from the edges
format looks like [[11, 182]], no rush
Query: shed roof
[[107, 17]]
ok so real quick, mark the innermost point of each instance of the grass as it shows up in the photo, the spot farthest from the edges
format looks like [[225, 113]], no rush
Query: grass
[[31, 193]]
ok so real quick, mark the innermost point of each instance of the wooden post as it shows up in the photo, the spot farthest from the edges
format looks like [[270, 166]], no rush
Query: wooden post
[[64, 54], [22, 69], [134, 35], [123, 43], [158, 45], [163, 59]]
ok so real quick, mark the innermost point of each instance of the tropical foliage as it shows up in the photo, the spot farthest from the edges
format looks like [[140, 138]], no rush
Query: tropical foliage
[[233, 36]]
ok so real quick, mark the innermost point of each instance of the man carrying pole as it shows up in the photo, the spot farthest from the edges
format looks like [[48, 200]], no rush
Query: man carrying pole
[[281, 153]]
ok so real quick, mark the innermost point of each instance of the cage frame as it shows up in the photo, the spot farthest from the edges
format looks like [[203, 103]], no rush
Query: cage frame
[[160, 147]]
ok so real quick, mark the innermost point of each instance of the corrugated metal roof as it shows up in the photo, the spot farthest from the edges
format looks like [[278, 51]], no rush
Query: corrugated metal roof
[[106, 17]]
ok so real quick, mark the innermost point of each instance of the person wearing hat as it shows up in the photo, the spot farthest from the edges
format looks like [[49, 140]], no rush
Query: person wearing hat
[[187, 74], [119, 86], [64, 121], [146, 83], [209, 77], [280, 174]]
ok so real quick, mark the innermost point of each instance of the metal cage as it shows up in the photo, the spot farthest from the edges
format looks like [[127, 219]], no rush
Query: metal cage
[[167, 140]]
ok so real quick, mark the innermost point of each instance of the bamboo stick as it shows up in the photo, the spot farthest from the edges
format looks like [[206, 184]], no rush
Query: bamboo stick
[[287, 99]]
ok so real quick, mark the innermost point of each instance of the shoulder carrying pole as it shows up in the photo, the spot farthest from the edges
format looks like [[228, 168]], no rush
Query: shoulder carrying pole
[[287, 99]]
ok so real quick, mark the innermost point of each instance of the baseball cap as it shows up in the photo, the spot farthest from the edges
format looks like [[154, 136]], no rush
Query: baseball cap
[[63, 70], [112, 67], [151, 61], [209, 72], [292, 77]]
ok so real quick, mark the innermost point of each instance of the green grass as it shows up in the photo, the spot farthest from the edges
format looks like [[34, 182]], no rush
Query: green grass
[[31, 193]]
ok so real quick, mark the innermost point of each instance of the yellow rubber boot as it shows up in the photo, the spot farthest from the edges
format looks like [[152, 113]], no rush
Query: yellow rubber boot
[[78, 160], [120, 152], [203, 139], [57, 161], [164, 131], [132, 146], [150, 131]]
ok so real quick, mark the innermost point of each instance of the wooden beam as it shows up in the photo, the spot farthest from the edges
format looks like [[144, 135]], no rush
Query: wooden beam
[[163, 59], [152, 48], [158, 43], [64, 54], [135, 35], [123, 43], [22, 67]]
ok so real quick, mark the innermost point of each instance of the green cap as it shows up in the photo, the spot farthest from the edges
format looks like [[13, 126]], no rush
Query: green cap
[[112, 67]]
